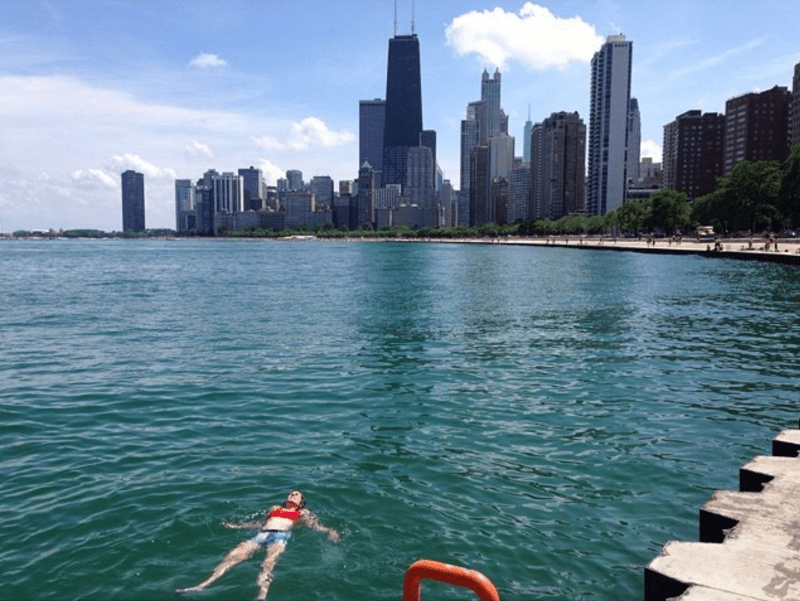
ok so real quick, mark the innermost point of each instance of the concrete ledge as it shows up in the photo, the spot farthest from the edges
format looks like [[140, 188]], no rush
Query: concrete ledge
[[749, 540], [786, 444]]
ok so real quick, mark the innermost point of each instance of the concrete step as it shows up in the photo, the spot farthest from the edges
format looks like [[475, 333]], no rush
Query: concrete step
[[749, 540]]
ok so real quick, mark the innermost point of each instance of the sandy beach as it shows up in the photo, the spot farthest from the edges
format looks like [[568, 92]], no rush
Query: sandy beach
[[788, 250]]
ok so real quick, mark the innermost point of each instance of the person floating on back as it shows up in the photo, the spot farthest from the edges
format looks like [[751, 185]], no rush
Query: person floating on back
[[274, 532]]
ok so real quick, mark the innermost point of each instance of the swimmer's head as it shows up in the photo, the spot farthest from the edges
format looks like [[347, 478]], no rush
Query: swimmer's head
[[295, 499]]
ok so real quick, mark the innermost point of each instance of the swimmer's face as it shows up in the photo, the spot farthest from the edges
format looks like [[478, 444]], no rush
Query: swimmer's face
[[295, 498]]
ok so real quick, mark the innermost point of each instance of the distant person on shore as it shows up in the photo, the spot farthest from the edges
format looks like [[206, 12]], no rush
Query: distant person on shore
[[274, 532]]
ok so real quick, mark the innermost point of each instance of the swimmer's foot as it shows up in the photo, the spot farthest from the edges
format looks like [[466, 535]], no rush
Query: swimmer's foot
[[191, 589]]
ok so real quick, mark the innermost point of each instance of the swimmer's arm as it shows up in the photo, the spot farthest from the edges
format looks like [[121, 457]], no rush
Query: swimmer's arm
[[258, 524], [242, 525], [310, 520]]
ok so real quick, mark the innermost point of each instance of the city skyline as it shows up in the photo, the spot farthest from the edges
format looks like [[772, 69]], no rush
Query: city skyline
[[93, 89]]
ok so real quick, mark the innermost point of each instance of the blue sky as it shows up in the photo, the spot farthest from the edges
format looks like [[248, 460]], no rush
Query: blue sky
[[91, 88]]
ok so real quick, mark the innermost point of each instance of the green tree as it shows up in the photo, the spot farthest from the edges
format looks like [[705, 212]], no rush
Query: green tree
[[670, 210], [748, 198], [789, 193], [632, 216]]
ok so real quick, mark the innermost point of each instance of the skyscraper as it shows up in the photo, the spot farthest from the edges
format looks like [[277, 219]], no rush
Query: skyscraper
[[470, 138], [693, 152], [427, 138], [794, 119], [608, 125], [294, 178], [756, 127], [322, 187], [491, 120], [254, 192], [366, 196], [371, 120], [562, 181], [526, 138], [419, 188], [634, 139], [132, 201], [403, 122], [480, 186], [228, 193], [184, 205], [537, 138]]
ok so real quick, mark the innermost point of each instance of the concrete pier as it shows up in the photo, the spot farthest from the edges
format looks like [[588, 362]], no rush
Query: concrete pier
[[749, 545]]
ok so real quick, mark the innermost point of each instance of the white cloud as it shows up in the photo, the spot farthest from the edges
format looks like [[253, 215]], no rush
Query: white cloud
[[93, 177], [305, 134], [652, 149], [269, 143], [535, 37], [206, 60], [198, 148], [314, 132], [120, 163], [271, 171]]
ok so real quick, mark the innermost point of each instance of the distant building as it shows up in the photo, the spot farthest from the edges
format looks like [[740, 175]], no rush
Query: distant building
[[634, 139], [228, 193], [419, 189], [294, 179], [366, 196], [693, 152], [651, 175], [132, 201], [345, 186], [608, 125], [491, 119], [560, 184], [427, 138], [480, 187], [403, 122], [449, 202], [756, 127], [371, 120], [470, 138], [526, 139], [185, 215], [535, 209], [253, 188], [794, 134], [519, 191], [322, 187]]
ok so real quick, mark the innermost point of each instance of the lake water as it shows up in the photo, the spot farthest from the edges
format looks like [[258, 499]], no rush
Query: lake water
[[550, 417]]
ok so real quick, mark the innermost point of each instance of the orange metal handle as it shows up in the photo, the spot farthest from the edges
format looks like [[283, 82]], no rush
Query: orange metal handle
[[428, 569]]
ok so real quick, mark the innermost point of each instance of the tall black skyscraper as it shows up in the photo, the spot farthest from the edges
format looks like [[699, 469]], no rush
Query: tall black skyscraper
[[403, 107], [132, 201]]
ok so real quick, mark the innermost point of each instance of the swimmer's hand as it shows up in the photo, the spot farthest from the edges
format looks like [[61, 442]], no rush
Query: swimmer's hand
[[333, 535]]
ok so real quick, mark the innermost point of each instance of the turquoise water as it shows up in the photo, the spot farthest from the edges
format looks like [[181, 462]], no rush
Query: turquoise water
[[550, 417]]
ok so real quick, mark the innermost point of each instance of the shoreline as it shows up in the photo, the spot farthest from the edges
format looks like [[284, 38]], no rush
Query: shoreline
[[788, 252]]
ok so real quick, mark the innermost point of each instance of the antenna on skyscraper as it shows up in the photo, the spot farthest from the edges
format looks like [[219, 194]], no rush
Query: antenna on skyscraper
[[395, 18], [529, 111], [412, 17]]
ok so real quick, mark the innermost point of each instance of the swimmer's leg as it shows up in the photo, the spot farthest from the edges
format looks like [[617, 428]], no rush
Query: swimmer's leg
[[265, 577], [240, 553]]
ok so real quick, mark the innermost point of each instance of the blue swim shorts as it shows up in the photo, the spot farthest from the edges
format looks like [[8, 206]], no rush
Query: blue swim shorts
[[265, 538]]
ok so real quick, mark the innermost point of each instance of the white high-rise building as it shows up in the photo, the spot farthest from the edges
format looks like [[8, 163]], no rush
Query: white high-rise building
[[228, 193], [608, 126]]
